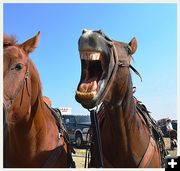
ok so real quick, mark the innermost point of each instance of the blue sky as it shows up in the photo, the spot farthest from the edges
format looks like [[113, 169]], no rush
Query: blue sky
[[57, 57]]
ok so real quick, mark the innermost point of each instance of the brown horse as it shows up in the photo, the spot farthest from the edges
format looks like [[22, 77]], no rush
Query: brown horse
[[31, 135], [106, 84]]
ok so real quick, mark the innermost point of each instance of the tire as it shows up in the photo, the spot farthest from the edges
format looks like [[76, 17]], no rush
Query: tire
[[79, 140]]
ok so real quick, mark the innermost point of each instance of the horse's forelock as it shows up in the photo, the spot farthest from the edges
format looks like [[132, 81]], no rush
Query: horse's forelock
[[9, 40]]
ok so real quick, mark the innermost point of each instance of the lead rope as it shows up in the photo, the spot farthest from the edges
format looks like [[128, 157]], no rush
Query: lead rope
[[88, 140], [97, 136]]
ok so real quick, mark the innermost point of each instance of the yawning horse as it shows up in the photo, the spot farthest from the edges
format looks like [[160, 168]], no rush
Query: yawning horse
[[32, 135], [106, 87]]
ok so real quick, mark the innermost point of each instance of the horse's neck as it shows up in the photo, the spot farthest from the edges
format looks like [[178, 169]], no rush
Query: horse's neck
[[121, 108], [26, 141], [121, 117], [35, 118], [36, 131], [40, 122], [124, 129], [41, 118]]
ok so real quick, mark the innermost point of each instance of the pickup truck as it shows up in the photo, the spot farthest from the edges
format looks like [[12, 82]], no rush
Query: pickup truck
[[77, 127]]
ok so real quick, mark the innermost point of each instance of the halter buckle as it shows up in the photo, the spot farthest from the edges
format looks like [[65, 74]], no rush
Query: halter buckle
[[26, 75]]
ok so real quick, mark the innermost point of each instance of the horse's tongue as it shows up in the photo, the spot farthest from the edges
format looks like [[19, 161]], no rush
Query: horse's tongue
[[88, 87]]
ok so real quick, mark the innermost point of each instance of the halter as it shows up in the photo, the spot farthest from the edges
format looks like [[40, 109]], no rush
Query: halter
[[54, 155], [9, 103], [95, 125], [118, 63]]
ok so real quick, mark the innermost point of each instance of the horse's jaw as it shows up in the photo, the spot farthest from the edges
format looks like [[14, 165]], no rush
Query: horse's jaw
[[96, 68]]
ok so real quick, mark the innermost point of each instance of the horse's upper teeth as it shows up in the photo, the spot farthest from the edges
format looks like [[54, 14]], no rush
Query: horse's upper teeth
[[90, 55]]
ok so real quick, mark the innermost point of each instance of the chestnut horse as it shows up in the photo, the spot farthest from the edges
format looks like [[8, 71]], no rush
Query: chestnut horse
[[106, 87], [32, 138]]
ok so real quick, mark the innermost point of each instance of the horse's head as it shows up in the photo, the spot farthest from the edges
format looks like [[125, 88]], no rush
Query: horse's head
[[100, 60], [16, 69]]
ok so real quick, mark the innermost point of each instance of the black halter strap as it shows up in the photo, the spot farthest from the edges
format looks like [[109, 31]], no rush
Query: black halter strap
[[121, 64], [118, 63], [94, 112], [95, 125]]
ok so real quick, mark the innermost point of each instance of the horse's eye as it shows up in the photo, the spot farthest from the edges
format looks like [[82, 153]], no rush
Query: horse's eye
[[18, 67]]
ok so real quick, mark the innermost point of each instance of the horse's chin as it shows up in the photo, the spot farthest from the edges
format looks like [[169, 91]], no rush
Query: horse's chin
[[88, 99]]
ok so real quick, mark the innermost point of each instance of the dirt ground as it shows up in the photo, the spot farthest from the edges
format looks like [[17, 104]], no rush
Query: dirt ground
[[80, 154], [167, 145], [79, 157]]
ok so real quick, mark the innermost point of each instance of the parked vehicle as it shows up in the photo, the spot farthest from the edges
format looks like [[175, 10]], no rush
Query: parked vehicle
[[77, 127]]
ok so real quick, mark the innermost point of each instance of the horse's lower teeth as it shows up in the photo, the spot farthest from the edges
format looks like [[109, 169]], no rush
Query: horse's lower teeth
[[85, 95]]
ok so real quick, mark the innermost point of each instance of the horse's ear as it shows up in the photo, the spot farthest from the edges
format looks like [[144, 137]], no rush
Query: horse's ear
[[31, 44], [133, 45]]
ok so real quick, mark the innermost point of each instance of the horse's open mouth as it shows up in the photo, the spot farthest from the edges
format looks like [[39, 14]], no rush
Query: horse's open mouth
[[92, 75]]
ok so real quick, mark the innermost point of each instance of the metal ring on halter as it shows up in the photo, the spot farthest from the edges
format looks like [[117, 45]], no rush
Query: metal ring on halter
[[96, 108]]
